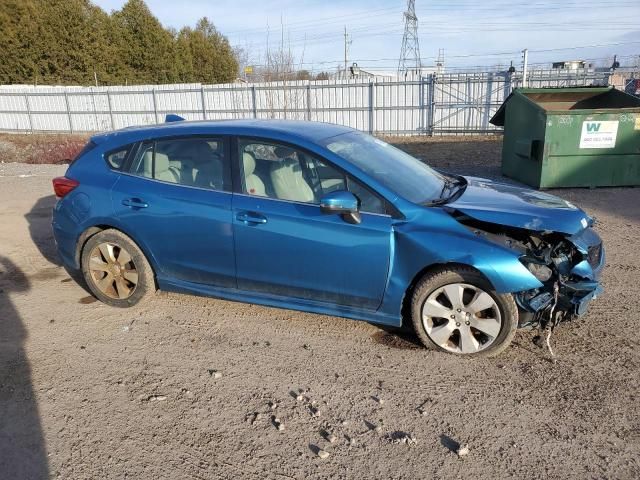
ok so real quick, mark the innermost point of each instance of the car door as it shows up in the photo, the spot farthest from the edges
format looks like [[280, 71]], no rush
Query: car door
[[175, 199], [286, 246]]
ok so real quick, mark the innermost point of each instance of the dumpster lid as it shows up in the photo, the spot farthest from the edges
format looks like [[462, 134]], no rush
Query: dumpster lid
[[573, 98]]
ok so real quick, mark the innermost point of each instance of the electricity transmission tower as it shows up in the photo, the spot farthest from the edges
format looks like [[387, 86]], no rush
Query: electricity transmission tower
[[410, 52]]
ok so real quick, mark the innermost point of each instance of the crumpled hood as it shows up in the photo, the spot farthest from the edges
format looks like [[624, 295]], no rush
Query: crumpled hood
[[505, 204]]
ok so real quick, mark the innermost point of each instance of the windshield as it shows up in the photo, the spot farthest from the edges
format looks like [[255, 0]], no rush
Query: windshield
[[393, 168]]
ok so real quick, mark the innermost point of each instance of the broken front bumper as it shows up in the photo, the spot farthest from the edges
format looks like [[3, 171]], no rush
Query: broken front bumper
[[574, 285]]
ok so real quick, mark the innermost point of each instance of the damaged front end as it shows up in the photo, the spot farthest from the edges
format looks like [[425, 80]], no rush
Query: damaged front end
[[568, 266]]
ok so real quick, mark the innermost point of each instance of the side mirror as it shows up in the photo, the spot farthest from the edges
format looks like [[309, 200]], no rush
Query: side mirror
[[342, 203]]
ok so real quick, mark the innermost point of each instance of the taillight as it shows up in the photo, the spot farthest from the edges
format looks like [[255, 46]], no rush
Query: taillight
[[63, 185]]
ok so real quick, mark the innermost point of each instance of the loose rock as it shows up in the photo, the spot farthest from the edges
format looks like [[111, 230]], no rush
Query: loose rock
[[323, 454], [462, 450]]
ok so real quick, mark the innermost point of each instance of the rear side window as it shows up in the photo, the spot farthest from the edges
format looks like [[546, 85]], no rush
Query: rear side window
[[196, 162], [116, 158]]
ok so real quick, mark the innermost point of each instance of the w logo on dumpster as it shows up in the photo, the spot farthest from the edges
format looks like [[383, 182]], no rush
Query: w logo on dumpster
[[600, 134]]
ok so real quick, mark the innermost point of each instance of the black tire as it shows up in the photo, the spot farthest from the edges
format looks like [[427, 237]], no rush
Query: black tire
[[145, 284], [444, 276]]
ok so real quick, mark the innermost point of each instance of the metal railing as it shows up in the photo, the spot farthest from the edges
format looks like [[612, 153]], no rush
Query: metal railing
[[433, 105]]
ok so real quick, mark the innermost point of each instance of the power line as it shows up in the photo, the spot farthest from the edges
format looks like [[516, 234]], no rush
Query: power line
[[481, 55]]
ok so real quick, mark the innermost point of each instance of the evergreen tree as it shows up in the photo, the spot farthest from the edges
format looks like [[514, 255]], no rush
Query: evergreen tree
[[18, 33], [210, 58], [70, 41]]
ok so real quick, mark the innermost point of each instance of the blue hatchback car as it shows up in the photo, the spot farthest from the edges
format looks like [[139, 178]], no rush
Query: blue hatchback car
[[322, 218]]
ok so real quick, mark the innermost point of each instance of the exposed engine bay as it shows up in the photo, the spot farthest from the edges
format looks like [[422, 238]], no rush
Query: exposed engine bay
[[568, 267]]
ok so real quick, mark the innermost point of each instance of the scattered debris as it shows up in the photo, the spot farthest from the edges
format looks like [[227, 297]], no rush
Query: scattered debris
[[278, 423], [373, 426], [299, 397], [323, 453], [152, 398], [462, 450], [422, 410], [253, 417], [402, 438], [273, 405], [331, 438]]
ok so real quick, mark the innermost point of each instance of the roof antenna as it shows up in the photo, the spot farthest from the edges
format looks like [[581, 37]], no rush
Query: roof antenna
[[172, 117]]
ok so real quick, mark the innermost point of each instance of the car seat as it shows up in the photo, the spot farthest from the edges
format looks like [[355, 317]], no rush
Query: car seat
[[289, 183], [163, 169], [253, 183]]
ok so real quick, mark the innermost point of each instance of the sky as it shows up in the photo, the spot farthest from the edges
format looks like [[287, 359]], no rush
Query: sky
[[473, 33]]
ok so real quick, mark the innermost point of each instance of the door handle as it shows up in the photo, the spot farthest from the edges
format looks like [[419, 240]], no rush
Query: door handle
[[134, 203], [251, 218]]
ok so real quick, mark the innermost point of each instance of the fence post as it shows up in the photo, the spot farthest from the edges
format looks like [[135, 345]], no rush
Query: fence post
[[66, 101], [110, 110], [155, 105], [372, 107], [309, 101], [204, 103], [421, 111], [253, 101], [26, 101], [432, 104]]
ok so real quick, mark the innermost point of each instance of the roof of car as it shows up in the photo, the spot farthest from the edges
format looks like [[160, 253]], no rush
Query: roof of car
[[311, 131]]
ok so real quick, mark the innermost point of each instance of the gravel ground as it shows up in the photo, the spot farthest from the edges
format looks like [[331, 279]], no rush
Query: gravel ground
[[188, 387]]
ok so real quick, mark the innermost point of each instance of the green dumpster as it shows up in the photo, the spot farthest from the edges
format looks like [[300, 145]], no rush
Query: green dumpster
[[571, 137]]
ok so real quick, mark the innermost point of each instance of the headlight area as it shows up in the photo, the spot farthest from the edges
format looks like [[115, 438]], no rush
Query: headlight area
[[567, 266]]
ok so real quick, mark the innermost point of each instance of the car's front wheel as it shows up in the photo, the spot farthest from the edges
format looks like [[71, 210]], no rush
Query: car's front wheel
[[115, 269], [456, 310]]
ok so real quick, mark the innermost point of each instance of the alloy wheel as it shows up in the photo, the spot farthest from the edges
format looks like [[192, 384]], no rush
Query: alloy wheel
[[113, 270], [461, 318]]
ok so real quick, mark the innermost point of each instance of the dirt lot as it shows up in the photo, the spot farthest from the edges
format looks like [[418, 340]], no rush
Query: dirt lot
[[187, 387]]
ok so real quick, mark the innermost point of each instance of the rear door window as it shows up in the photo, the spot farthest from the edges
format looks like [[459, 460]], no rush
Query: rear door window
[[195, 162]]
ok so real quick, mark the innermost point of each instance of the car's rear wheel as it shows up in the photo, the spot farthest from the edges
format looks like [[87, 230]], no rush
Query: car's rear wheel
[[456, 310], [116, 270]]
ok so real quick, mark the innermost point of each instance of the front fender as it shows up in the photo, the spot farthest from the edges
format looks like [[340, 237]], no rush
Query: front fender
[[416, 250]]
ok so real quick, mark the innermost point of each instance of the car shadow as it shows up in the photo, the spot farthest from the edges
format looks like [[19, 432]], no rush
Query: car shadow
[[39, 219], [22, 446], [41, 232], [394, 337]]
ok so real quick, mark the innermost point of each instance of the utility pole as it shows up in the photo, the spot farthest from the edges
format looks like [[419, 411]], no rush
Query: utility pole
[[410, 51], [525, 62], [346, 42]]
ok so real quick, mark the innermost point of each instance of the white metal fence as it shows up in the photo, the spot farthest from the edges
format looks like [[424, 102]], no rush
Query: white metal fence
[[437, 104]]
